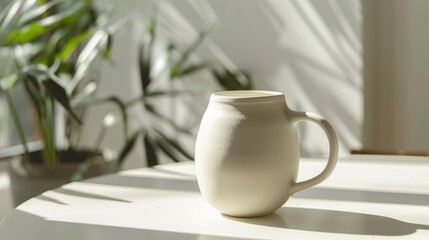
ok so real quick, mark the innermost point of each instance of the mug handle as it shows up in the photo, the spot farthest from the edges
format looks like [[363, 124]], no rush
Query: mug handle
[[297, 117]]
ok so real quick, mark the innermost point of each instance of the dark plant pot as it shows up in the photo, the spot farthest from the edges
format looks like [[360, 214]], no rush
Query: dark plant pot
[[29, 177]]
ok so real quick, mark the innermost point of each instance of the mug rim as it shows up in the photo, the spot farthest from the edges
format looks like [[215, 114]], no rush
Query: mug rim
[[247, 96]]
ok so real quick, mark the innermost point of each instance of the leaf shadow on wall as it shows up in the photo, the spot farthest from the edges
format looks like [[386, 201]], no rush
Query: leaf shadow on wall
[[315, 84]]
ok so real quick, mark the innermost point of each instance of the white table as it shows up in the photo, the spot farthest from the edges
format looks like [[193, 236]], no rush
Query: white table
[[378, 198]]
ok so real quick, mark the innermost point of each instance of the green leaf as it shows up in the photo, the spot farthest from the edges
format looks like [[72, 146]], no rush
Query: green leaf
[[107, 50], [163, 145], [52, 45], [155, 113], [177, 67], [159, 93], [85, 94], [9, 18], [93, 46], [123, 110], [35, 29], [26, 34], [83, 168], [144, 68], [91, 50], [39, 71], [71, 45], [232, 81], [5, 12], [65, 17], [33, 89], [168, 141], [48, 132], [59, 94], [192, 69], [37, 11], [145, 61], [146, 49], [129, 145], [151, 157], [7, 83]]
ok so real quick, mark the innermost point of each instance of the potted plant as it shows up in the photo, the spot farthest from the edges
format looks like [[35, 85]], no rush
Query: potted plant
[[54, 44], [177, 65], [62, 40]]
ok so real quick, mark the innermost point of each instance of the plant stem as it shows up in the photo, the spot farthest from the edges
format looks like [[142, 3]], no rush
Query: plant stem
[[42, 127], [45, 115], [50, 131], [17, 122], [133, 101]]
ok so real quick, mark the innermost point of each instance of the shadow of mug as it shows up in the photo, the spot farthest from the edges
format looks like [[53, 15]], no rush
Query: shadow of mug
[[331, 221]]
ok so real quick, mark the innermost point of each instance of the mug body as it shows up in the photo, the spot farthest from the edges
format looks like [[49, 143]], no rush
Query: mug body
[[247, 153]]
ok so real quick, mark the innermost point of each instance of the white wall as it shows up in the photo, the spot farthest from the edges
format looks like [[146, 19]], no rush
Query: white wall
[[396, 74], [311, 50]]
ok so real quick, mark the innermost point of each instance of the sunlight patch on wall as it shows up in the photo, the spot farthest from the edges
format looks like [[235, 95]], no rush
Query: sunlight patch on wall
[[319, 65]]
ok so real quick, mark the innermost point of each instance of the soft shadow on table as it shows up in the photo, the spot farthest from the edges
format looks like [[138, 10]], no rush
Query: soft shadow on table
[[75, 193], [330, 221], [124, 181], [364, 196], [25, 226], [172, 172], [147, 182], [50, 199], [87, 195]]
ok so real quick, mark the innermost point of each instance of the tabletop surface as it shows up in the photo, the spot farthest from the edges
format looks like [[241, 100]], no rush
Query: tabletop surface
[[365, 198]]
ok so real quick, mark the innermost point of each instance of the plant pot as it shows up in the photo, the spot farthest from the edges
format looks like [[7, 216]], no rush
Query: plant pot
[[29, 177]]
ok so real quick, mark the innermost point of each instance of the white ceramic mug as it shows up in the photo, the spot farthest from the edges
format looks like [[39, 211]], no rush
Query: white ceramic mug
[[247, 152]]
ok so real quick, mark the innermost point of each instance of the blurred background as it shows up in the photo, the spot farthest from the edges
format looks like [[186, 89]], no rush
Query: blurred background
[[359, 63]]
